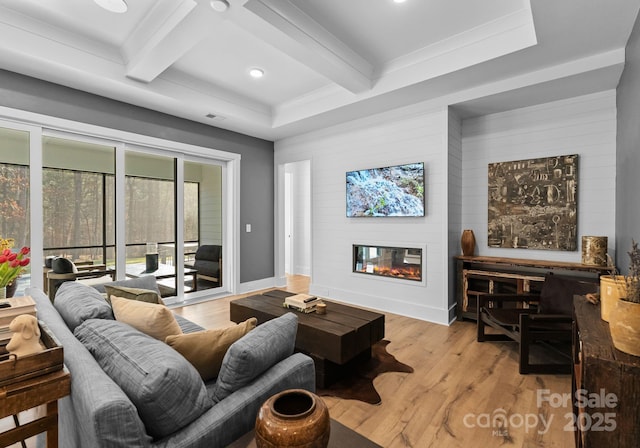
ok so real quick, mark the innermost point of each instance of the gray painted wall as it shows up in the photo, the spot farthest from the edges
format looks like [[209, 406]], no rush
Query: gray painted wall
[[257, 178], [628, 152]]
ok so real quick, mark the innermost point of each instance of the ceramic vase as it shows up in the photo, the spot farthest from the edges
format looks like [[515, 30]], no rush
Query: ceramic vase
[[293, 418], [594, 250], [468, 243], [12, 287], [624, 324]]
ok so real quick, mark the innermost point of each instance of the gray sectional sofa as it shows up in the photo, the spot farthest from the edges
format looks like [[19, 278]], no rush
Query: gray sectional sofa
[[130, 390]]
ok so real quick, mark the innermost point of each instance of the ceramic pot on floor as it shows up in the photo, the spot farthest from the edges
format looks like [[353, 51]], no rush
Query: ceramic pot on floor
[[293, 418]]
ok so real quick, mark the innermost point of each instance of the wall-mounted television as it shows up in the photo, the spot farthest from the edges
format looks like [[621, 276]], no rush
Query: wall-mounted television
[[390, 191]]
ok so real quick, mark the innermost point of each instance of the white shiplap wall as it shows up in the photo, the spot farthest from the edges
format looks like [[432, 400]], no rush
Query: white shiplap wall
[[387, 139], [584, 125]]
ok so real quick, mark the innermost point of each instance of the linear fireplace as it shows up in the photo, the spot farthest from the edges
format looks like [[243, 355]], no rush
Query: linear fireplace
[[385, 261]]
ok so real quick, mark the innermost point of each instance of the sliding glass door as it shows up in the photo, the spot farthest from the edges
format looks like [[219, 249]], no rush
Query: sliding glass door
[[144, 207], [202, 223], [150, 218]]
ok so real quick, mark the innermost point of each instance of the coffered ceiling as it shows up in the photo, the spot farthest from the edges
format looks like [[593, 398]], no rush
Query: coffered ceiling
[[324, 61]]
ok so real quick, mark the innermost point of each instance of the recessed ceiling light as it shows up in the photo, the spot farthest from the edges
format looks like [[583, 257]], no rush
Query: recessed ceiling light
[[256, 73], [219, 5], [118, 6], [399, 1]]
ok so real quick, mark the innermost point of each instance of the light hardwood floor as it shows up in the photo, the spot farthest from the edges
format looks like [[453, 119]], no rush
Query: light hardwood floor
[[462, 393]]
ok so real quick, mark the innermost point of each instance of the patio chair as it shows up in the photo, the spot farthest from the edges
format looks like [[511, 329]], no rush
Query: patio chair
[[208, 263], [65, 270]]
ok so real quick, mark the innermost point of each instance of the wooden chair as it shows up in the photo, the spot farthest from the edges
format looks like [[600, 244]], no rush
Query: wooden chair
[[544, 319]]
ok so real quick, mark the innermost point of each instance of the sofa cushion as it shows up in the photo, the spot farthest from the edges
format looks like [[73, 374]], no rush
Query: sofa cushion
[[141, 294], [256, 352], [205, 349], [166, 390], [152, 319], [77, 302]]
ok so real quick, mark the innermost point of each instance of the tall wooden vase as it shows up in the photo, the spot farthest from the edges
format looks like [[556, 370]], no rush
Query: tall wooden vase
[[468, 242]]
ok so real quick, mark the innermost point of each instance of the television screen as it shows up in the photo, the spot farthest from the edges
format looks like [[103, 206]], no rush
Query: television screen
[[390, 191]]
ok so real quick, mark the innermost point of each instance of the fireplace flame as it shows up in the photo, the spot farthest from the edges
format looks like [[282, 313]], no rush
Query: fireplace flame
[[408, 272]]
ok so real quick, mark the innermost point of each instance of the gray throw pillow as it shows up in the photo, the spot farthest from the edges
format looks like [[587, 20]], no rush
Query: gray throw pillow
[[165, 388], [254, 353], [76, 303]]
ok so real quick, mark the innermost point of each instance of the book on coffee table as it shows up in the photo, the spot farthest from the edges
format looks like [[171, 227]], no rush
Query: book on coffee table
[[301, 302]]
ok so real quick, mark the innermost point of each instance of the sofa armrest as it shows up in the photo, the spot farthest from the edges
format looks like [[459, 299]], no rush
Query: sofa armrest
[[97, 413], [234, 416]]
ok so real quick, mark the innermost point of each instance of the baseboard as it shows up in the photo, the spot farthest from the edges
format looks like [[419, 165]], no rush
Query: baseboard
[[256, 285], [383, 304]]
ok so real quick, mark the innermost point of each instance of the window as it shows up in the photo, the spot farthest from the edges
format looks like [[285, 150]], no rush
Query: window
[[150, 202], [78, 195], [14, 194]]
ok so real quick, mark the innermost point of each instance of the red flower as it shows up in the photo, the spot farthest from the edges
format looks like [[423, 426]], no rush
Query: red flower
[[12, 264]]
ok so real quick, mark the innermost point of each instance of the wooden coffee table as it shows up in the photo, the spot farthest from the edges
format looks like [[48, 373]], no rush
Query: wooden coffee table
[[340, 437], [337, 341]]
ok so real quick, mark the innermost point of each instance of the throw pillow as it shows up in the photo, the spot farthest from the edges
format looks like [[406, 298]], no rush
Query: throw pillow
[[253, 354], [206, 349], [166, 390], [143, 295], [150, 318], [76, 303]]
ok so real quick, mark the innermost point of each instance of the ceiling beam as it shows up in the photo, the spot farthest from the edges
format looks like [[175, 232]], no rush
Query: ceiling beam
[[25, 52], [164, 36], [299, 36]]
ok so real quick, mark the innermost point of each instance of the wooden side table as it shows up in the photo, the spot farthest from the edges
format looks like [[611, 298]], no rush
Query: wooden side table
[[28, 394], [602, 369]]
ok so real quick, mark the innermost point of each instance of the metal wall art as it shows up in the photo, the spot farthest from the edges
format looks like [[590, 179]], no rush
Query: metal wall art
[[533, 203]]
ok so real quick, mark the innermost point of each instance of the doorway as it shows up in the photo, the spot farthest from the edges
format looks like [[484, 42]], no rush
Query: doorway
[[297, 218]]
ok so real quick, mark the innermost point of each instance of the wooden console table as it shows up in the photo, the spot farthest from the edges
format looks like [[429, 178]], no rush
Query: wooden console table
[[599, 368], [28, 394], [513, 275]]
